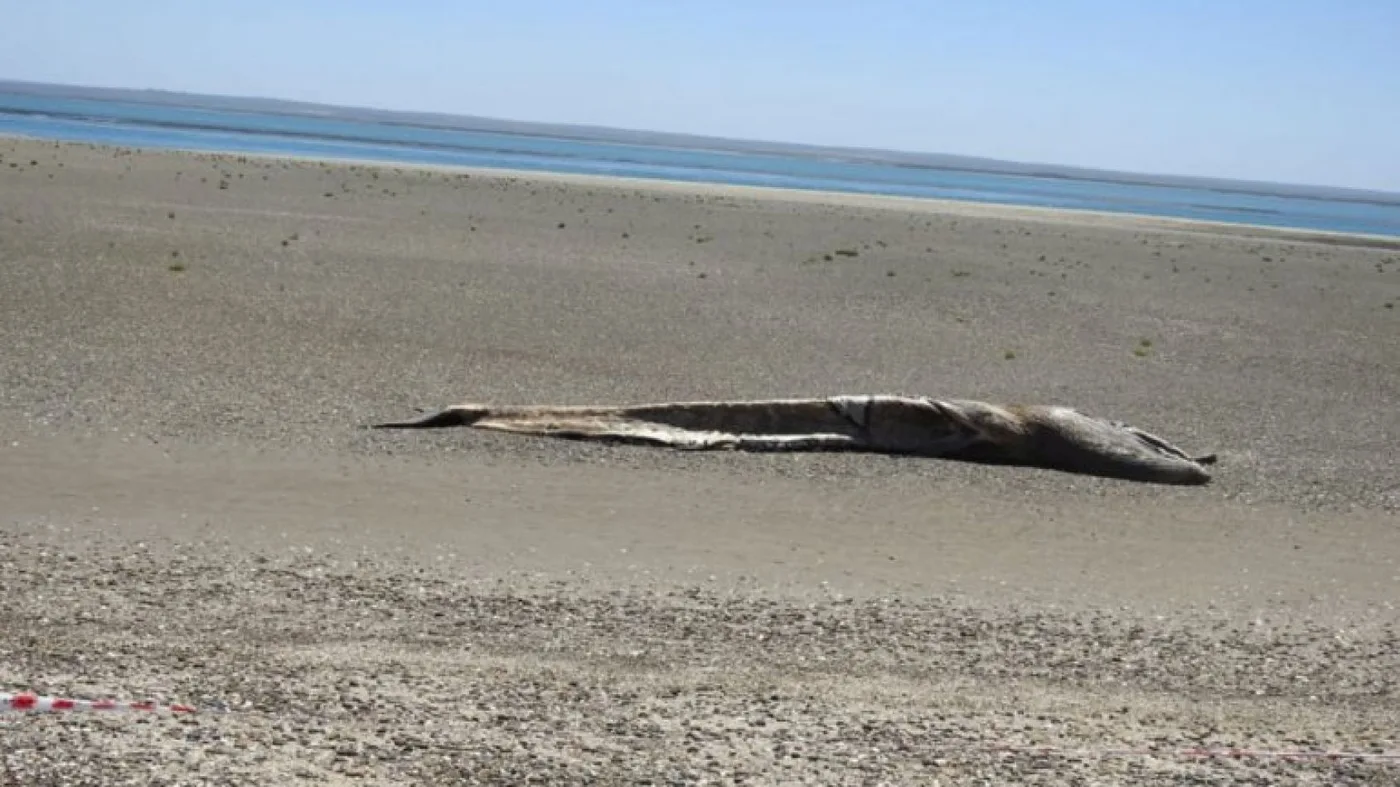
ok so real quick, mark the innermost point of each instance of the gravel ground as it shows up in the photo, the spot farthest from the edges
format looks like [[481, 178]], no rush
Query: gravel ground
[[372, 669]]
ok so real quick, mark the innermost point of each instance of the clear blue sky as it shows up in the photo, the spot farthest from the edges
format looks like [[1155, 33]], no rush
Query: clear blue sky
[[1293, 91]]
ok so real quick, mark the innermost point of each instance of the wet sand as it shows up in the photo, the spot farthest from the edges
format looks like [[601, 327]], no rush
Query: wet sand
[[194, 512]]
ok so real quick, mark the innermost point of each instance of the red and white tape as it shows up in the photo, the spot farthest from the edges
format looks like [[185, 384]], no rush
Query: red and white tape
[[26, 702]]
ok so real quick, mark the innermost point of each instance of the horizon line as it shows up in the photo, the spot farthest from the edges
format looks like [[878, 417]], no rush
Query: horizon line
[[1079, 172]]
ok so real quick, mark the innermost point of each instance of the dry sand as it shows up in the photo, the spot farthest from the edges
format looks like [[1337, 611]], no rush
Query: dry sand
[[192, 510]]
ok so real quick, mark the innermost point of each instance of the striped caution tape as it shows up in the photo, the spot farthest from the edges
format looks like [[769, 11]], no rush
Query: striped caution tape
[[26, 702]]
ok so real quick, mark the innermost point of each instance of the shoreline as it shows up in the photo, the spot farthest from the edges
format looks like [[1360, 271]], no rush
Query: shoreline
[[932, 205]]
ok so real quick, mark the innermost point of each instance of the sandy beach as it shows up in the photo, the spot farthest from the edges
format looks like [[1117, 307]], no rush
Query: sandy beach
[[193, 510]]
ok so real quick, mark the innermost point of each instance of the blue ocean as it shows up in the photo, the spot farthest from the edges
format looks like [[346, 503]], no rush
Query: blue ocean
[[144, 125]]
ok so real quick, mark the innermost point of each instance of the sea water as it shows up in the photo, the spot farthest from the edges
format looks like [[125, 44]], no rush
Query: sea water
[[213, 130]]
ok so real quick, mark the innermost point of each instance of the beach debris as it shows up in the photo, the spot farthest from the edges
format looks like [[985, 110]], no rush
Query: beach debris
[[1047, 436], [28, 702]]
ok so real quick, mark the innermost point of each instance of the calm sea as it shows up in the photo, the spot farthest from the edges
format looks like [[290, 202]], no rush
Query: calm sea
[[156, 126]]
